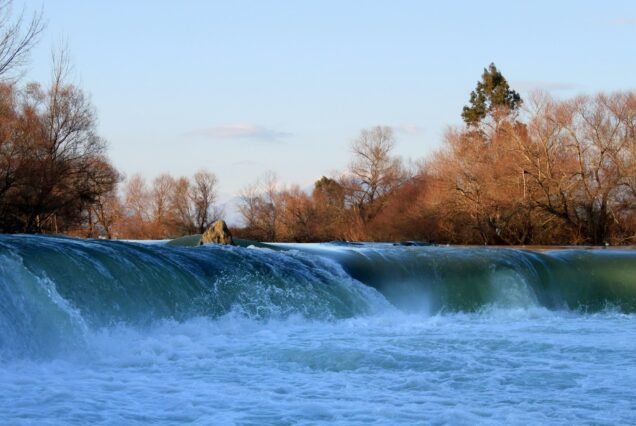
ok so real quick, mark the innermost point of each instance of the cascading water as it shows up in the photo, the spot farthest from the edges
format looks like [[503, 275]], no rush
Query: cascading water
[[104, 332], [52, 287], [467, 279]]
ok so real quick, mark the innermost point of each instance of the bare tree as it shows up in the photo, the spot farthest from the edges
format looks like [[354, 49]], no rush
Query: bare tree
[[203, 193], [579, 160], [137, 203], [57, 155], [106, 207], [170, 207], [565, 176], [270, 206], [260, 207], [181, 207], [297, 219], [249, 206], [162, 188], [374, 171], [17, 37], [10, 143]]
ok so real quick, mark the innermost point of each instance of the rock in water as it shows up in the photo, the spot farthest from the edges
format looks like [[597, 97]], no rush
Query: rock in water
[[217, 233]]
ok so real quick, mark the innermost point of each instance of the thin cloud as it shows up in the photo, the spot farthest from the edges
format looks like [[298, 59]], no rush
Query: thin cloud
[[624, 22], [242, 131], [548, 86]]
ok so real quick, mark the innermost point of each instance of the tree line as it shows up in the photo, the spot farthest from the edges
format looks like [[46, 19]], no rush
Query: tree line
[[55, 175], [167, 207], [535, 171], [53, 165]]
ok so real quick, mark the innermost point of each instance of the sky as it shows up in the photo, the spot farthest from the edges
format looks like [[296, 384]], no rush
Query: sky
[[245, 87]]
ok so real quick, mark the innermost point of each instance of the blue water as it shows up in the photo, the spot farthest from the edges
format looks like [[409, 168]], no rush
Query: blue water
[[293, 338]]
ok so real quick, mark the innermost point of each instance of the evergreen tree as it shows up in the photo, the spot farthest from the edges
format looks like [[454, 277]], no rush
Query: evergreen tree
[[492, 96]]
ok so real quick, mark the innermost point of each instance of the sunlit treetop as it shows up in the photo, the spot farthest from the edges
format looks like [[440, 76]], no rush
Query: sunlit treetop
[[491, 97]]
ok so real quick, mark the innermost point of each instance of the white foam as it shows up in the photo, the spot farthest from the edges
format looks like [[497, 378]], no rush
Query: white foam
[[497, 366]]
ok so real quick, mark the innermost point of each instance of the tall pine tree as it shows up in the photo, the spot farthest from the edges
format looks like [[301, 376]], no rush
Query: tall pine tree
[[491, 97]]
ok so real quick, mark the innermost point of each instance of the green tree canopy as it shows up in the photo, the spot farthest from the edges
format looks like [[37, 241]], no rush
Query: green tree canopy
[[491, 97]]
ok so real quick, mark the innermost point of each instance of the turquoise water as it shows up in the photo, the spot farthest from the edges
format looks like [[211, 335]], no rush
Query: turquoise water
[[96, 332]]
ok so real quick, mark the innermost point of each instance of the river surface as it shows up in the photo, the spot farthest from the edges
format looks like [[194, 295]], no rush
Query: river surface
[[98, 332]]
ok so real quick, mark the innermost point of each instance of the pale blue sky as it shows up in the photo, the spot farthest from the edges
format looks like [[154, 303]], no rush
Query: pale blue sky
[[242, 87]]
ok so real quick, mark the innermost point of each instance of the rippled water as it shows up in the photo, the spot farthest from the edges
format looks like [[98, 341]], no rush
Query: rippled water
[[112, 333], [511, 366]]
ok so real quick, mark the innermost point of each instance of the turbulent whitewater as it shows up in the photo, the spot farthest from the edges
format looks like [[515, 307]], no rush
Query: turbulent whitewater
[[105, 332]]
